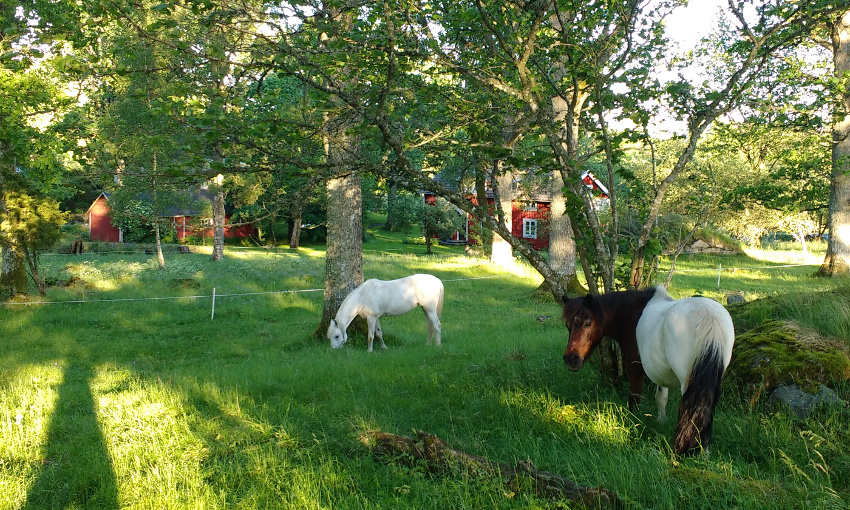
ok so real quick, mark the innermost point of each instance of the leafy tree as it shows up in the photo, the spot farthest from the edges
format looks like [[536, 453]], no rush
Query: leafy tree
[[782, 170], [30, 225], [439, 220], [749, 49], [406, 211], [30, 149]]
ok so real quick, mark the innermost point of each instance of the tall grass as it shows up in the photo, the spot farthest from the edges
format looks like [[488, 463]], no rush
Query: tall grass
[[113, 402]]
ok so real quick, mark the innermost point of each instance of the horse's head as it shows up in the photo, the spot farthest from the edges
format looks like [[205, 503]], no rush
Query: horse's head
[[336, 335], [580, 317]]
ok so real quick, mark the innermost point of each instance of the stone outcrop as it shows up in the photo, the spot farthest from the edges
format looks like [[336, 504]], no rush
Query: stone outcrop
[[780, 354]]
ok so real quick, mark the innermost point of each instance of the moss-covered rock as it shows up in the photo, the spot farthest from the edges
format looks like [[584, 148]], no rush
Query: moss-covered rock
[[780, 352]]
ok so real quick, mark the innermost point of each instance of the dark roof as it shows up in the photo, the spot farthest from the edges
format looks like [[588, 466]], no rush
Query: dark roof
[[197, 198]]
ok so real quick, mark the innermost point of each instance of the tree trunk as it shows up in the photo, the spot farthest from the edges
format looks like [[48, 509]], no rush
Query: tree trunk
[[501, 251], [344, 260], [13, 273], [562, 246], [160, 259], [392, 194], [565, 145], [432, 452], [218, 220], [295, 231], [13, 277], [837, 260], [426, 229], [344, 256], [481, 196]]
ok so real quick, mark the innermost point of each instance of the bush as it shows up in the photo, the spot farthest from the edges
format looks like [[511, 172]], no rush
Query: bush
[[140, 248], [673, 228], [406, 212]]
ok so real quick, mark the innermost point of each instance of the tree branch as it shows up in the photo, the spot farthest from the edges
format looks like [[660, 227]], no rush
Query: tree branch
[[439, 458]]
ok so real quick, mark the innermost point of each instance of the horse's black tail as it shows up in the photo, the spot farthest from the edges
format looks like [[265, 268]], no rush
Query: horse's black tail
[[696, 410]]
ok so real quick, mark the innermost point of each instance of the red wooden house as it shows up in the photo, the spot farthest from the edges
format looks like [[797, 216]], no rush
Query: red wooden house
[[100, 224], [184, 222], [529, 217]]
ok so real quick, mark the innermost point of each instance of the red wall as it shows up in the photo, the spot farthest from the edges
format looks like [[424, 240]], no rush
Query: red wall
[[185, 229], [542, 216], [100, 227], [517, 215]]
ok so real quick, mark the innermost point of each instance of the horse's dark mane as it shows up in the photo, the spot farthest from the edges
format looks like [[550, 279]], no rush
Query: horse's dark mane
[[619, 312]]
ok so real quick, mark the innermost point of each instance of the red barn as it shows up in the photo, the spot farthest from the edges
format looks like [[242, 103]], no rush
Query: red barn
[[101, 228], [100, 224]]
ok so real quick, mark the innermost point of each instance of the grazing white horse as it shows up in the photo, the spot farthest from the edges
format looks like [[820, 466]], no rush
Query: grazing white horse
[[376, 298]]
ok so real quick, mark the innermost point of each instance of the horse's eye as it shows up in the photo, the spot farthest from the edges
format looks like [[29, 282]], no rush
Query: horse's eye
[[587, 324]]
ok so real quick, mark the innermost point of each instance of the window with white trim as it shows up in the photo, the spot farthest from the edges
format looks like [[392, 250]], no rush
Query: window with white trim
[[529, 228], [529, 206]]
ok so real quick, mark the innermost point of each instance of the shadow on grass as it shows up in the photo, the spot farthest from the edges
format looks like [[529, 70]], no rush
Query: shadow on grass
[[77, 471]]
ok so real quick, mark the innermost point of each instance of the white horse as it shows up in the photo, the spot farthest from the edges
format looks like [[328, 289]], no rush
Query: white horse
[[376, 298]]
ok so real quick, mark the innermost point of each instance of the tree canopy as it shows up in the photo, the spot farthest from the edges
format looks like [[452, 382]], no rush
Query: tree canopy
[[450, 97]]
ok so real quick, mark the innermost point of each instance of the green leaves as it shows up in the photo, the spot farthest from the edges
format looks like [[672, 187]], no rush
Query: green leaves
[[32, 223]]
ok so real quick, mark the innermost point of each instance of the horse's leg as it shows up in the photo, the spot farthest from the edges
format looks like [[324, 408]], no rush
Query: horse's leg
[[635, 374], [380, 332], [371, 321], [429, 325], [661, 394], [434, 326]]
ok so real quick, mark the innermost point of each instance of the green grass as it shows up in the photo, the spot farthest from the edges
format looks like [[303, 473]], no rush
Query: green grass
[[122, 403]]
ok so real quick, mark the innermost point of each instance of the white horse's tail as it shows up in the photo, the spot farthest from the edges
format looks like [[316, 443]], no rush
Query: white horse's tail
[[440, 303], [696, 409]]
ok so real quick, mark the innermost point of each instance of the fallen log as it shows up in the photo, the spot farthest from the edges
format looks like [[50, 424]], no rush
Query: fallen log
[[439, 458]]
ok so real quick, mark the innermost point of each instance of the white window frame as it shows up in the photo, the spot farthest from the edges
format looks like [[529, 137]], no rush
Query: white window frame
[[529, 228], [530, 206]]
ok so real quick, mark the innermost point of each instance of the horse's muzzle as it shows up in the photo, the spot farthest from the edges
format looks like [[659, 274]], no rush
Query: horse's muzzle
[[573, 361]]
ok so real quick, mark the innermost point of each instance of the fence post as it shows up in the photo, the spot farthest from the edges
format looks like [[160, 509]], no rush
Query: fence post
[[212, 315], [719, 265]]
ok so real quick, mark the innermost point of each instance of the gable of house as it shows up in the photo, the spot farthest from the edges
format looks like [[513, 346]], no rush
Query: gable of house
[[100, 223]]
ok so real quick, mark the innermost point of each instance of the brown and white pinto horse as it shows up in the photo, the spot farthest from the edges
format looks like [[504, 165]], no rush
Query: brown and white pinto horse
[[685, 343]]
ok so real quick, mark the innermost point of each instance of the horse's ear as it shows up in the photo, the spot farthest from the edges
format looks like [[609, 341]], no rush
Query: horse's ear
[[590, 302], [563, 299], [333, 322]]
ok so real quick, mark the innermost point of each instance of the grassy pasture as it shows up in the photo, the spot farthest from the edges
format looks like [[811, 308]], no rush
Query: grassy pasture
[[125, 402]]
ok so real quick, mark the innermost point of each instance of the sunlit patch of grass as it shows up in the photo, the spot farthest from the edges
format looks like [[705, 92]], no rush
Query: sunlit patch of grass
[[604, 423], [27, 402], [788, 252], [155, 455]]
